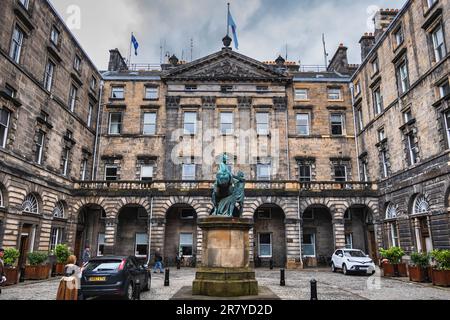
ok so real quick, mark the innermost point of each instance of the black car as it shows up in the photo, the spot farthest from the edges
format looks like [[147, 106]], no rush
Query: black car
[[114, 276]]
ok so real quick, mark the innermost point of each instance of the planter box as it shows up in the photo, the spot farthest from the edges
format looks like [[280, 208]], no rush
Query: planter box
[[37, 272], [441, 278], [418, 274], [395, 270], [60, 269], [12, 276]]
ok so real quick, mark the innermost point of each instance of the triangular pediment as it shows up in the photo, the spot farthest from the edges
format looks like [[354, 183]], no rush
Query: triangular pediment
[[225, 65]]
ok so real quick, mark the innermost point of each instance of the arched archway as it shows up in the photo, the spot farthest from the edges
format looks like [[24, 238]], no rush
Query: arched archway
[[360, 229], [419, 210], [90, 230], [269, 236], [318, 240], [180, 235], [132, 237]]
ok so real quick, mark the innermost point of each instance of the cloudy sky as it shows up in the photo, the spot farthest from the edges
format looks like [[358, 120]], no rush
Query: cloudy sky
[[265, 27]]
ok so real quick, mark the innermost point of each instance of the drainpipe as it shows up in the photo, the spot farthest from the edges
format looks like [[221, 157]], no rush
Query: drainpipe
[[150, 232], [97, 135], [299, 230], [355, 130], [287, 142]]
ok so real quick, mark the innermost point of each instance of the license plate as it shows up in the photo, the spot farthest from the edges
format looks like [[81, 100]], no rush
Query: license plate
[[97, 279]]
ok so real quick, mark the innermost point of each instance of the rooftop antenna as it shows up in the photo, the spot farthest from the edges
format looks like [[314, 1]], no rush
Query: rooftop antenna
[[192, 48], [160, 51], [325, 54]]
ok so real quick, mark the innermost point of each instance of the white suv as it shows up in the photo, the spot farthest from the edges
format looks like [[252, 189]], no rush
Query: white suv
[[350, 260]]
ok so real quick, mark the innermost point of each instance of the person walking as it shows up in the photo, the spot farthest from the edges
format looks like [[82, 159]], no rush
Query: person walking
[[86, 255], [2, 269], [70, 285], [158, 262]]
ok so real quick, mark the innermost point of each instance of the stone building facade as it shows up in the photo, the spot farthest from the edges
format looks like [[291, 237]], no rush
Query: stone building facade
[[124, 160], [401, 93]]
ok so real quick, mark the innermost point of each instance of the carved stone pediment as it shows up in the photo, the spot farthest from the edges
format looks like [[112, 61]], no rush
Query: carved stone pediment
[[225, 65]]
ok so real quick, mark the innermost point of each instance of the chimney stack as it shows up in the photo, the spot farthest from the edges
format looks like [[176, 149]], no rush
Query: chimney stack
[[116, 61], [367, 42], [382, 20]]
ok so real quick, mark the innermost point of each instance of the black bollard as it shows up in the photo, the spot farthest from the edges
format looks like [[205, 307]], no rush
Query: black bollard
[[22, 275], [282, 278], [314, 290], [166, 280], [271, 264]]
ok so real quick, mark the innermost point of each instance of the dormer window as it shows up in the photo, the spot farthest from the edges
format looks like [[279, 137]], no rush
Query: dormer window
[[226, 89], [190, 87]]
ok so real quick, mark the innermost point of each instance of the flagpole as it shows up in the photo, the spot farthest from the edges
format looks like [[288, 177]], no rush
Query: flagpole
[[129, 56], [228, 20]]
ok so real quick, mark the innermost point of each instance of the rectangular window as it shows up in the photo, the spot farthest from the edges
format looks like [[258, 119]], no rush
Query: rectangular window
[[149, 127], [357, 88], [334, 94], [226, 123], [430, 3], [262, 123], [141, 248], [309, 245], [54, 36], [226, 89], [65, 161], [111, 173], [10, 91], [25, 3], [349, 241], [56, 236], [340, 173], [375, 66], [444, 89], [378, 101], [438, 43], [146, 173], [403, 77], [303, 124], [190, 87], [93, 84], [301, 94], [39, 147], [16, 44], [151, 93], [305, 173], [100, 244], [265, 245], [117, 93], [364, 175], [381, 135], [48, 76], [186, 244], [4, 126], [115, 123], [359, 119], [77, 63], [384, 164], [190, 123], [188, 173], [89, 118], [394, 234], [264, 172], [412, 150], [84, 166], [447, 126], [262, 89], [407, 116], [73, 98], [337, 124], [399, 37]]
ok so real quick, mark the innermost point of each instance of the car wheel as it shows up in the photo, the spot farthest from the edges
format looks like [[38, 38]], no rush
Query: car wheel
[[333, 268], [147, 285], [129, 291], [344, 269]]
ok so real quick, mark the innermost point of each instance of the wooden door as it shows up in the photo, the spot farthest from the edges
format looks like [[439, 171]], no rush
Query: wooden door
[[79, 245]]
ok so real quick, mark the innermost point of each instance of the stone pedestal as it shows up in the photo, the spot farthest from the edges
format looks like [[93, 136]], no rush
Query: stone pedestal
[[225, 270]]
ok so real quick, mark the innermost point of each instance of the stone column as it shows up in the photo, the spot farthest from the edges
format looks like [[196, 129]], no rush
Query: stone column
[[339, 233], [293, 244], [110, 235]]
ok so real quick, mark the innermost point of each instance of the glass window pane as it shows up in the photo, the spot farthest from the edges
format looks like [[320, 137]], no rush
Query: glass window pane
[[186, 239], [142, 238]]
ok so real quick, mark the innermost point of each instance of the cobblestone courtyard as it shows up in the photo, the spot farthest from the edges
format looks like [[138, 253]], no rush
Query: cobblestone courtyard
[[330, 287]]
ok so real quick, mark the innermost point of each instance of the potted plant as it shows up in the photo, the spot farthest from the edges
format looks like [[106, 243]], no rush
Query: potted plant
[[393, 266], [11, 271], [37, 269], [419, 267], [441, 272], [62, 254]]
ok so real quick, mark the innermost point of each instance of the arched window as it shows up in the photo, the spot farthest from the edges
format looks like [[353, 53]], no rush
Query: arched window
[[30, 204], [58, 211], [391, 211], [421, 205]]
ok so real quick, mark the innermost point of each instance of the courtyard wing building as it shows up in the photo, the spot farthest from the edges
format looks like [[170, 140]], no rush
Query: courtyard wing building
[[123, 160]]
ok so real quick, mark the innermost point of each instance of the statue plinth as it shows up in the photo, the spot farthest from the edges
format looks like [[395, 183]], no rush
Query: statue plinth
[[225, 269]]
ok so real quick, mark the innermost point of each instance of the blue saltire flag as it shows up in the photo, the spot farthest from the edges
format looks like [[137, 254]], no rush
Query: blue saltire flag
[[135, 44], [233, 26]]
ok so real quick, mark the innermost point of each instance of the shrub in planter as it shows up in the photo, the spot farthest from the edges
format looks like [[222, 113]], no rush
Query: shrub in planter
[[441, 272], [10, 258], [62, 254], [37, 270], [394, 267], [419, 268]]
